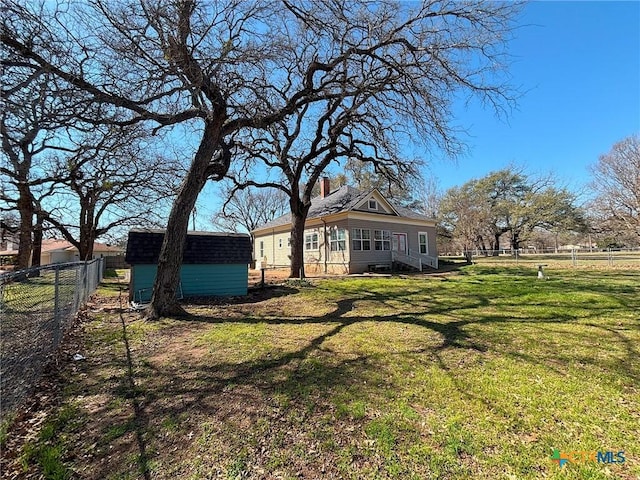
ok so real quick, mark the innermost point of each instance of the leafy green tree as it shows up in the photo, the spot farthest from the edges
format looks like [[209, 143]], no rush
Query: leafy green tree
[[510, 202]]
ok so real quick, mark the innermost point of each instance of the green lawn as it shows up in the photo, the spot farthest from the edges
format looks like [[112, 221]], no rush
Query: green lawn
[[476, 374]]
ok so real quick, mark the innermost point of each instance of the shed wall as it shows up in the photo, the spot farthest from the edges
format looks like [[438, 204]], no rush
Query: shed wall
[[196, 280]]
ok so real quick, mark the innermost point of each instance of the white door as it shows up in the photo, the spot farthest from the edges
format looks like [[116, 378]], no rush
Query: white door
[[399, 242]]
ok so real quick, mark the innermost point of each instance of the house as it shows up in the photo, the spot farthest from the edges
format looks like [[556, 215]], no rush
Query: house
[[61, 251], [349, 231], [213, 263], [9, 241]]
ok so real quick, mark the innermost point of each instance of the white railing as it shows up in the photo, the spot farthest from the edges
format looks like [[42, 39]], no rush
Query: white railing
[[406, 259], [426, 259], [413, 259]]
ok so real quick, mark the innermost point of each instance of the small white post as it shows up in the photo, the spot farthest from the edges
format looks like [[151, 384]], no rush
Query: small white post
[[541, 272]]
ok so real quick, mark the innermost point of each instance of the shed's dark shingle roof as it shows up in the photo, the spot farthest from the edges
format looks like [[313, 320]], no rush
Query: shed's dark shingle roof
[[341, 200], [143, 247]]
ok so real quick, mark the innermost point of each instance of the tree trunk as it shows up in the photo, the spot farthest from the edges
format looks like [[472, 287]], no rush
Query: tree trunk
[[515, 241], [86, 247], [298, 218], [496, 250], [163, 300], [26, 209], [87, 237], [37, 241]]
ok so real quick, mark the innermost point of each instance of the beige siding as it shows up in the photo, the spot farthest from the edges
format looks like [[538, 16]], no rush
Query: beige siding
[[276, 249], [337, 261], [381, 205], [361, 259], [322, 259]]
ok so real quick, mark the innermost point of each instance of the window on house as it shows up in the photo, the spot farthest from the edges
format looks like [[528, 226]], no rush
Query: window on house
[[423, 243], [311, 241], [373, 205], [289, 242], [361, 239], [337, 239], [279, 243], [261, 249], [382, 239]]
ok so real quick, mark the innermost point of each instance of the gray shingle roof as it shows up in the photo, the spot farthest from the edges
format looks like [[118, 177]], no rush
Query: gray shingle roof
[[341, 200], [408, 213], [143, 247]]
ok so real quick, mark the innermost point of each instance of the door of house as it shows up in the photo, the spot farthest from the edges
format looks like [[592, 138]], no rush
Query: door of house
[[399, 242]]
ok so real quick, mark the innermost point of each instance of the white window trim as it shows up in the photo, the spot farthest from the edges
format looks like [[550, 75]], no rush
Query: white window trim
[[375, 204], [360, 239], [426, 244], [337, 244], [382, 240], [314, 244]]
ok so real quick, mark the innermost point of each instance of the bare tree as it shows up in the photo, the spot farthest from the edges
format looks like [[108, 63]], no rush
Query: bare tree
[[305, 146], [114, 179], [225, 67], [247, 209], [34, 110], [464, 216], [107, 176], [390, 74], [616, 181]]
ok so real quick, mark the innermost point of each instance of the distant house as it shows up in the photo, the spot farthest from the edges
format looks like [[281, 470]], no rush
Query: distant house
[[62, 251], [213, 264], [349, 231], [9, 241], [569, 248]]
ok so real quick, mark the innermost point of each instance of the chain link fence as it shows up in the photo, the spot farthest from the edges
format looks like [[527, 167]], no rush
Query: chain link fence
[[36, 308], [610, 258]]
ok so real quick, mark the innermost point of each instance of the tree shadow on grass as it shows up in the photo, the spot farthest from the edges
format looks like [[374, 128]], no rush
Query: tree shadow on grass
[[453, 333], [229, 390], [254, 295]]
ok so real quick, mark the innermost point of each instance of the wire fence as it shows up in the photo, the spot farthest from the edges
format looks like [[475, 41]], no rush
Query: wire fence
[[610, 258], [36, 308]]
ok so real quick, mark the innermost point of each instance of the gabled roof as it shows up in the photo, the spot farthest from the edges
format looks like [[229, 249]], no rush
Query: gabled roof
[[143, 247], [344, 199]]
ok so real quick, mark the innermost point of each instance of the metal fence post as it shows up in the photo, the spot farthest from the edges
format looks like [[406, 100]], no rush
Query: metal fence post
[[56, 293], [57, 335]]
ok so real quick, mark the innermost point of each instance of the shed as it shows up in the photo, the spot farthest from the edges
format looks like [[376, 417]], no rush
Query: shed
[[213, 263]]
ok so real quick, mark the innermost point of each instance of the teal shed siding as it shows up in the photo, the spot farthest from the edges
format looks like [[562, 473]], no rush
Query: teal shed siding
[[196, 280]]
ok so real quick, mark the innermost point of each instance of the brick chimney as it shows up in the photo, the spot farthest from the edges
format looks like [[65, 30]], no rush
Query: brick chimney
[[325, 187]]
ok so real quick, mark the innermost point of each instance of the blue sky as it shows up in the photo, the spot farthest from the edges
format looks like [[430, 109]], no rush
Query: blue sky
[[578, 64]]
